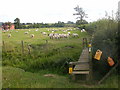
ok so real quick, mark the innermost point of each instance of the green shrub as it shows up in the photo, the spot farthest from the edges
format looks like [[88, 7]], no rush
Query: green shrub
[[105, 40]]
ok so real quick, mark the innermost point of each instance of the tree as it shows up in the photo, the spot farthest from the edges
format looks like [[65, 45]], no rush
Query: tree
[[17, 23], [70, 22], [83, 22], [81, 14]]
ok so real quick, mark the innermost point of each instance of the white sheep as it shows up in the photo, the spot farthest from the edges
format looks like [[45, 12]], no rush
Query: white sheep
[[51, 35], [83, 30], [36, 30], [25, 32], [61, 35], [44, 33], [32, 35], [9, 35], [66, 35], [75, 35], [69, 33], [56, 36]]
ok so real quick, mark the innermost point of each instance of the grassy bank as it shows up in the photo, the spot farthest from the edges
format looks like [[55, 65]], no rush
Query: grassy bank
[[18, 78]]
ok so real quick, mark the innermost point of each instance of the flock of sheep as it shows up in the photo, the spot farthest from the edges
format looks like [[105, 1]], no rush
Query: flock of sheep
[[53, 34]]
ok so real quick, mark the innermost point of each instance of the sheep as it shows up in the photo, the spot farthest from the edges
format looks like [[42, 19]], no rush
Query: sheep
[[61, 35], [52, 31], [36, 30], [9, 35], [66, 35], [51, 35], [69, 33], [75, 35], [56, 36], [32, 35], [83, 30], [44, 33], [25, 32]]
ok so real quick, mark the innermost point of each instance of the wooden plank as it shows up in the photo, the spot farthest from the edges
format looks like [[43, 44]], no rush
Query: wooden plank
[[84, 55], [80, 72], [83, 60], [76, 63], [82, 66]]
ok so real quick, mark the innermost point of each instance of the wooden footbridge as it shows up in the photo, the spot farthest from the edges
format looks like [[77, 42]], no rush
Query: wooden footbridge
[[83, 65]]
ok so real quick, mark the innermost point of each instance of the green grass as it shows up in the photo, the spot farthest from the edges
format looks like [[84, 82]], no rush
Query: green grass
[[18, 78], [52, 55]]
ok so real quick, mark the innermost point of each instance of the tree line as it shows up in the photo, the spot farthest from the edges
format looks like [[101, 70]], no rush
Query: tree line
[[19, 25]]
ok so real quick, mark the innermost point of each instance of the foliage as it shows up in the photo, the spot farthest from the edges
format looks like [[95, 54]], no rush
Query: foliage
[[80, 12], [78, 22], [7, 25], [104, 34], [17, 23], [81, 15], [41, 25], [70, 22]]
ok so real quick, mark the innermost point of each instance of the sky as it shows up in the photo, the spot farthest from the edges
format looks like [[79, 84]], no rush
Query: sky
[[52, 11]]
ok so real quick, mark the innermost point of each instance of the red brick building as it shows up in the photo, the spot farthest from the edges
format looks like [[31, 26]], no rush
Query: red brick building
[[6, 26], [12, 27]]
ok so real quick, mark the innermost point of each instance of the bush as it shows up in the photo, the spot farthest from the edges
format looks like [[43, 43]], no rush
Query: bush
[[105, 40]]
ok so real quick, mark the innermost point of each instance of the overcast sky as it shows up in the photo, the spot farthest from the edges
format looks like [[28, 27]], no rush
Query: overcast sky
[[51, 11]]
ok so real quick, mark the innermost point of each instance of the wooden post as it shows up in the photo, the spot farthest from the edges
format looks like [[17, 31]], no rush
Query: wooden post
[[83, 42], [86, 42], [22, 47], [29, 52], [3, 45], [46, 41]]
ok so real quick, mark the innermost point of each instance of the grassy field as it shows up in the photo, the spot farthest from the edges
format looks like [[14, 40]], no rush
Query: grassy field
[[24, 70], [53, 54], [18, 78]]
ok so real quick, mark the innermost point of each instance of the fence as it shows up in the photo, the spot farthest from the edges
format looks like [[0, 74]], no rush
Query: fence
[[22, 47]]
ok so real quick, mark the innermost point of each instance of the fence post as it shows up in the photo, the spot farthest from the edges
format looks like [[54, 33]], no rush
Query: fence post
[[3, 45], [28, 49], [22, 46], [83, 42], [86, 42], [46, 41]]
